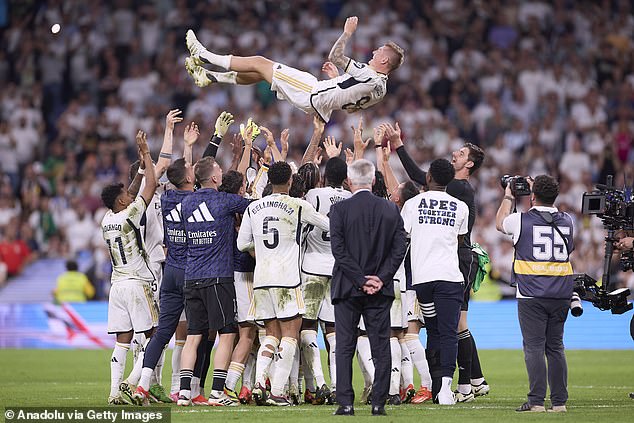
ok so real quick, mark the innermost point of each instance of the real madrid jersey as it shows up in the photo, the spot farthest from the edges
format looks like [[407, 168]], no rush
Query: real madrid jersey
[[273, 226], [122, 233], [318, 258], [152, 226], [358, 88]]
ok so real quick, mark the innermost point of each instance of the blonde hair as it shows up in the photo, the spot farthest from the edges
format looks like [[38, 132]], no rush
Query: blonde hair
[[398, 57]]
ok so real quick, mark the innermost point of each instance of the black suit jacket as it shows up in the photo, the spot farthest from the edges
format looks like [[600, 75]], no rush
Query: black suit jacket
[[367, 238]]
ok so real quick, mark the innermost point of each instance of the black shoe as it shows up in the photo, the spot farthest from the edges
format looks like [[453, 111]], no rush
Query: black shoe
[[632, 395], [378, 410], [527, 408], [344, 410], [332, 399], [394, 399], [322, 394]]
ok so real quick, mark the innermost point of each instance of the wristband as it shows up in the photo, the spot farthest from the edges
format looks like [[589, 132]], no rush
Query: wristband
[[166, 155], [141, 171], [508, 197]]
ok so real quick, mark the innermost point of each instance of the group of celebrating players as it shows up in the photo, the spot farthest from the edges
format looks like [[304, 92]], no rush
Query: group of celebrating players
[[243, 256]]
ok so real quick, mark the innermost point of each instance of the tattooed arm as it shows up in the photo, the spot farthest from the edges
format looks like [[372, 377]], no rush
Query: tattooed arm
[[336, 55]]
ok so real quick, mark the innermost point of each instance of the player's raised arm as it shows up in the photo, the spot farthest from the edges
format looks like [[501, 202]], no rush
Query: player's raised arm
[[165, 157], [190, 136], [150, 175], [336, 55], [313, 145]]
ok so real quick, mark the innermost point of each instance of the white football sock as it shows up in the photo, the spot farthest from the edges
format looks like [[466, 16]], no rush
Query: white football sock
[[157, 377], [478, 381], [221, 60], [417, 353], [395, 371], [263, 362], [233, 374], [117, 366], [286, 353], [308, 373], [248, 376], [138, 339], [407, 369], [365, 359], [446, 384], [176, 365], [146, 378], [464, 388], [312, 356], [331, 338], [195, 387], [135, 374], [294, 376]]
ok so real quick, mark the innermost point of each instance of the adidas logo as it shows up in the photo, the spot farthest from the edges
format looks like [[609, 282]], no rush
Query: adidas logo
[[201, 214], [114, 360], [396, 370], [175, 214], [313, 345]]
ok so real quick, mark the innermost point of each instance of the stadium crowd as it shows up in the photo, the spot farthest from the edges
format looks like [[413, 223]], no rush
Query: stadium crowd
[[543, 87]]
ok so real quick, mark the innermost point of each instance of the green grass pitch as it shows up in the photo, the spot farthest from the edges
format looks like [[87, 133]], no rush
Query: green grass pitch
[[598, 383]]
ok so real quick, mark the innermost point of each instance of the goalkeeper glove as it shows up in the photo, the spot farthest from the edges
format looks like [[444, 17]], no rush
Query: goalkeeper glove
[[223, 123], [255, 129]]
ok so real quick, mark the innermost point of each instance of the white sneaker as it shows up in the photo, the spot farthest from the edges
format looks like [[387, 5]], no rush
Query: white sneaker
[[183, 401], [446, 397], [481, 389], [194, 46], [460, 397], [198, 73], [222, 400]]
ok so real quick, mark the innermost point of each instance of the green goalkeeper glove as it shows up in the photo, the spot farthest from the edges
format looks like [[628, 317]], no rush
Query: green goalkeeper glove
[[223, 123]]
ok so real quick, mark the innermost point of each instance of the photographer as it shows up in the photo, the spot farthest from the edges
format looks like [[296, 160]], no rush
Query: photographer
[[543, 239]]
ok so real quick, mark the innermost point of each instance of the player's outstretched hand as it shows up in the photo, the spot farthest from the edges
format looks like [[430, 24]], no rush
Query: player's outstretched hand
[[270, 141], [351, 25], [318, 124], [359, 144], [349, 156], [330, 69], [393, 134], [223, 122], [191, 133], [252, 127], [173, 118], [331, 147], [141, 142], [318, 156], [284, 141]]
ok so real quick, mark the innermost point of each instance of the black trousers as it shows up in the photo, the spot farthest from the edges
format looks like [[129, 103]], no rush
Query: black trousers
[[440, 303], [542, 323], [375, 310]]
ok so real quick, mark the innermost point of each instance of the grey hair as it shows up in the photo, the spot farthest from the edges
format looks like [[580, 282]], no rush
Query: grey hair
[[361, 172]]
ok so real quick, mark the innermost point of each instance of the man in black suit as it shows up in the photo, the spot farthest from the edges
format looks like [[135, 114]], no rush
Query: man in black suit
[[368, 242]]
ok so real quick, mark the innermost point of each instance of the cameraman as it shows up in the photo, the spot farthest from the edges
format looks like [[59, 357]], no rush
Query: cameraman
[[543, 239]]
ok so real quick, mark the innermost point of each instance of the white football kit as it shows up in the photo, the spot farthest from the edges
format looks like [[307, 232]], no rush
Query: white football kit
[[358, 88], [273, 226], [152, 231], [318, 260], [131, 305]]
